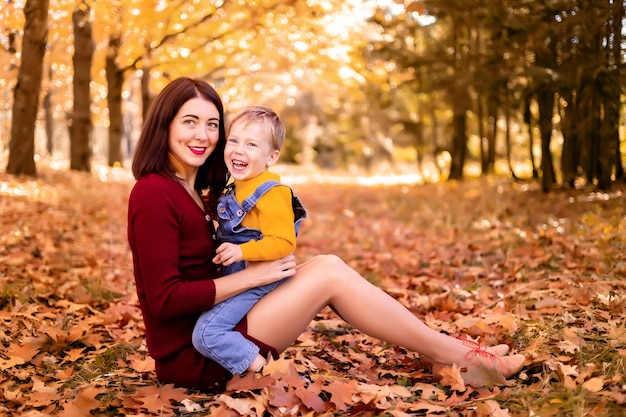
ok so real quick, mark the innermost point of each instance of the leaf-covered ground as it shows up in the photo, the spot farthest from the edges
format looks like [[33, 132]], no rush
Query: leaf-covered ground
[[491, 259]]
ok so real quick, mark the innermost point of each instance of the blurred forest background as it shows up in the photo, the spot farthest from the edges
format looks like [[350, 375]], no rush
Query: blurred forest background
[[424, 90], [441, 89]]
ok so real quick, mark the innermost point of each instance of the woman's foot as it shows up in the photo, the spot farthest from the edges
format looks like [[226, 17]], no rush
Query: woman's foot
[[485, 365], [498, 350], [480, 370]]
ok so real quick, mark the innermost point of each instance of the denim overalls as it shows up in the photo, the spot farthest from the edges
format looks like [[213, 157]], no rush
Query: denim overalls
[[213, 335]]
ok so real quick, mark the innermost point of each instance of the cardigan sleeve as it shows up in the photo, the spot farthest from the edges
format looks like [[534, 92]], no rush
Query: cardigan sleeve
[[171, 249], [275, 219]]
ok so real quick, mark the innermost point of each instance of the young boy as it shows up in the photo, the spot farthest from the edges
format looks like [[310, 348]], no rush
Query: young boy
[[258, 220]]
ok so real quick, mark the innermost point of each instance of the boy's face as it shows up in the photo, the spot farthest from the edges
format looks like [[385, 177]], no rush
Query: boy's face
[[248, 152]]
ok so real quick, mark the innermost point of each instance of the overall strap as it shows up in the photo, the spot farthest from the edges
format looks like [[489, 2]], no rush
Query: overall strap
[[251, 201]]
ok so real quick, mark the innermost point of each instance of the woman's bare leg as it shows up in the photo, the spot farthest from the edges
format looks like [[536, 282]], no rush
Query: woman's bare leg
[[281, 316]]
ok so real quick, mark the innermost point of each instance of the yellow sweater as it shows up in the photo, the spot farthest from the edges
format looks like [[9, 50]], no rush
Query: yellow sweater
[[272, 215]]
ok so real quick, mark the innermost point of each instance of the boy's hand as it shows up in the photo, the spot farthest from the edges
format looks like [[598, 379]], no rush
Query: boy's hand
[[227, 254]]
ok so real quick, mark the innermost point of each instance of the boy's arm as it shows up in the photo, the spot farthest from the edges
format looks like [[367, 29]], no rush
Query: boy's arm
[[275, 217], [227, 254]]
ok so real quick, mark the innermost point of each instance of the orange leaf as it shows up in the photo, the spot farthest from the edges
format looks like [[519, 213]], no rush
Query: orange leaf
[[10, 362], [594, 384], [75, 354], [154, 404], [141, 364], [341, 393], [310, 396], [86, 398], [27, 351], [451, 376]]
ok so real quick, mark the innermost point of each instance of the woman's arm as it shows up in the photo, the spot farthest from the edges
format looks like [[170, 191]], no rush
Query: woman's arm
[[171, 246], [255, 275]]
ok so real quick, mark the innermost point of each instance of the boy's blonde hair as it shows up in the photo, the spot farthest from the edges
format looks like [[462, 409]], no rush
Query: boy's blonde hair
[[272, 124]]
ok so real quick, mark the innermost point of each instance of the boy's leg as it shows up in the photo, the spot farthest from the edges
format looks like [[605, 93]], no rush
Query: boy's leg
[[213, 335]]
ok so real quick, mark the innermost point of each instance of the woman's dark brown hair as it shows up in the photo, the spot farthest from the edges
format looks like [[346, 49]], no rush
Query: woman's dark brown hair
[[151, 154]]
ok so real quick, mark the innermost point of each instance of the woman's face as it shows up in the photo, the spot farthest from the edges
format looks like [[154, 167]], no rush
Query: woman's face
[[193, 134]]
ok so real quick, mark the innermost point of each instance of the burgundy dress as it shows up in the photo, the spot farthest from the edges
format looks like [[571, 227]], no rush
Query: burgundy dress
[[172, 245]]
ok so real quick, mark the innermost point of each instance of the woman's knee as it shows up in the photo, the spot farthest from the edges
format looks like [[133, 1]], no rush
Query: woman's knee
[[330, 261], [325, 270]]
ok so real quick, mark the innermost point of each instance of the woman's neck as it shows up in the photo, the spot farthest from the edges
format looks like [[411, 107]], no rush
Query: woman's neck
[[187, 178]]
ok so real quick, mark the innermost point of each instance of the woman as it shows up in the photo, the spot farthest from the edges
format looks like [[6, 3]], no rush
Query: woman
[[170, 232]]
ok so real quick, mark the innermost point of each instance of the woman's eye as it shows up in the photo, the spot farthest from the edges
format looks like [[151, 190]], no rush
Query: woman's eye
[[189, 122], [212, 126]]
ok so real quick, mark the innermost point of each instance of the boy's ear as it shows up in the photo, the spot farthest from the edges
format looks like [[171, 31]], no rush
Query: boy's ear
[[273, 158]]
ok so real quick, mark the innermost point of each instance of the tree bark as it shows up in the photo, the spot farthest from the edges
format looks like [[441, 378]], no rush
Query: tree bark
[[492, 129], [528, 119], [115, 80], [545, 99], [459, 97], [459, 140], [609, 129], [80, 123], [570, 157], [27, 89], [481, 120], [146, 97]]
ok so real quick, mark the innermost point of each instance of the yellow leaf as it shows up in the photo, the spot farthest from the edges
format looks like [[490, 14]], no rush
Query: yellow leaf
[[491, 408], [594, 384]]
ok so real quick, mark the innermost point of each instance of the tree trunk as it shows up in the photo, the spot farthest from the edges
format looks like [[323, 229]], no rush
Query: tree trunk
[[49, 114], [49, 125], [482, 137], [609, 130], [115, 80], [459, 140], [507, 137], [492, 129], [618, 12], [610, 95], [146, 97], [570, 154], [459, 97], [27, 89], [619, 168], [80, 123], [434, 136], [528, 119], [545, 99]]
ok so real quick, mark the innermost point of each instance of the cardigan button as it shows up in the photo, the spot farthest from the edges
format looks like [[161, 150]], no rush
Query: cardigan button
[[207, 218]]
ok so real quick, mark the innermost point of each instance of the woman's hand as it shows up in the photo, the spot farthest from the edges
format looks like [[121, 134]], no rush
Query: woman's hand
[[272, 271], [255, 275]]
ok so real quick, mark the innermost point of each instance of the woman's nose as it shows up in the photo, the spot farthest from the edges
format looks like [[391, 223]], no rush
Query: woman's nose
[[202, 133]]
